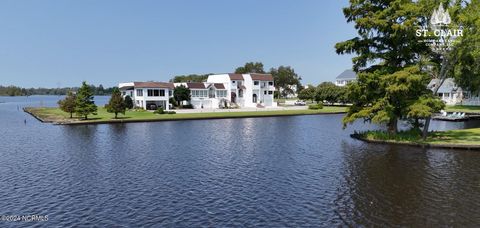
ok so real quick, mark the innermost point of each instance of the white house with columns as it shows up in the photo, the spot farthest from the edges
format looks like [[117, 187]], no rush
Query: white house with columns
[[148, 95], [206, 95], [452, 94], [232, 90], [247, 90], [219, 91]]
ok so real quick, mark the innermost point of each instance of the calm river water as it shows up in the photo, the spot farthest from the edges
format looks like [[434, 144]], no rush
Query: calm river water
[[276, 172]]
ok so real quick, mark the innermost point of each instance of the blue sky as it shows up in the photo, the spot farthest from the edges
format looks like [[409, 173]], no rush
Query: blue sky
[[61, 43]]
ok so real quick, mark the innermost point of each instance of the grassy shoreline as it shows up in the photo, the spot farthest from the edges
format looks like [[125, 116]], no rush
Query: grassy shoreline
[[463, 108], [56, 116], [459, 139]]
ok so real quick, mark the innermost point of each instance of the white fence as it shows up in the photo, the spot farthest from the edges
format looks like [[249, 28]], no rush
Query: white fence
[[473, 101]]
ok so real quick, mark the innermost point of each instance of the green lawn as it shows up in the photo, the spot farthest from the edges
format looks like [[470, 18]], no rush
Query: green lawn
[[454, 137], [463, 137], [57, 116], [463, 108]]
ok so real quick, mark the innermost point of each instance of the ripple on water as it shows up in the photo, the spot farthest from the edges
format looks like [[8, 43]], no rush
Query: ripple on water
[[275, 172]]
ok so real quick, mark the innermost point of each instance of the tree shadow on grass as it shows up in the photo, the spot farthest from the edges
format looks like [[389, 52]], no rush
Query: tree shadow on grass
[[121, 118], [90, 118]]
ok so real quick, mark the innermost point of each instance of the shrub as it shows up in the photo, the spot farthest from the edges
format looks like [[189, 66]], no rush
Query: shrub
[[315, 106], [128, 102], [138, 109], [173, 102], [159, 111], [411, 135], [188, 106]]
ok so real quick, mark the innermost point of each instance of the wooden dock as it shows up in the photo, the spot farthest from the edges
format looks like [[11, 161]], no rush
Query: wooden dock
[[457, 118]]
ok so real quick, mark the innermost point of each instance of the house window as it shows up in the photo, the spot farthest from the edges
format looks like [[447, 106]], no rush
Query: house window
[[263, 84], [240, 93], [255, 82], [124, 93], [139, 92], [270, 92], [156, 93], [233, 82], [265, 92], [221, 93], [150, 93], [169, 93], [447, 94], [270, 83], [199, 93]]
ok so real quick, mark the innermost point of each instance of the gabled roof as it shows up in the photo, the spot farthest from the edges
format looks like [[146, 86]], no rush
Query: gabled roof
[[219, 86], [216, 86], [126, 88], [154, 85], [347, 74], [235, 76], [448, 85], [262, 77], [196, 85]]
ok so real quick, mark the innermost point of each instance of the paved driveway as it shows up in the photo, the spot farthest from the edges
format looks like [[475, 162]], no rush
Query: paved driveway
[[242, 109]]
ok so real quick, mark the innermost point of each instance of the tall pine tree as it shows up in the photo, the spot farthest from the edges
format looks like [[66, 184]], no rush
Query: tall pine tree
[[84, 102]]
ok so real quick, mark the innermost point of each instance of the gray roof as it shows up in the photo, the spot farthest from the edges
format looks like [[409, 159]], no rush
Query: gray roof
[[448, 85], [347, 74]]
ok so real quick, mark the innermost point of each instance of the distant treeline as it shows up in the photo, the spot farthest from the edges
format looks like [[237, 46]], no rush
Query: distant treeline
[[18, 91], [190, 78]]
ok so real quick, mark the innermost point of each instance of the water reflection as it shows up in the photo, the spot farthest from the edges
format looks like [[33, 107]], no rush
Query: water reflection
[[276, 172], [398, 186]]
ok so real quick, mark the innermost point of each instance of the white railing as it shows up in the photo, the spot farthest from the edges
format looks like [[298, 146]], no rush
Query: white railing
[[473, 101]]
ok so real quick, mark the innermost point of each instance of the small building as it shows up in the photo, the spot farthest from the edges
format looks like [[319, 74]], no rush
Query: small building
[[148, 95], [449, 92], [345, 77]]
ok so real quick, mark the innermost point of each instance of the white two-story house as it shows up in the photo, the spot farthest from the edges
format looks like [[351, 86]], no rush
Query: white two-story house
[[247, 90], [148, 95]]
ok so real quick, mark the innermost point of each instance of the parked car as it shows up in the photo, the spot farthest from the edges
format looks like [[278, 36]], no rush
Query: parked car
[[300, 103], [152, 107]]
